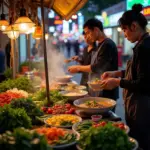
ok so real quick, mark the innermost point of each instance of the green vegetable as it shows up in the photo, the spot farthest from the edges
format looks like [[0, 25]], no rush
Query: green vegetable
[[8, 73], [21, 83], [33, 65], [84, 126], [55, 97], [29, 106], [39, 95], [12, 118], [105, 138], [96, 79], [25, 63], [66, 123], [22, 139], [68, 138]]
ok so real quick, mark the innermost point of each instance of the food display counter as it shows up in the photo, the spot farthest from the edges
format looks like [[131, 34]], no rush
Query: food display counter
[[36, 114], [68, 123]]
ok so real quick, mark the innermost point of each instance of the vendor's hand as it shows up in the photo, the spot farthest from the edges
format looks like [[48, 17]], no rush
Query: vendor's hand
[[74, 69], [108, 74], [110, 83], [75, 58]]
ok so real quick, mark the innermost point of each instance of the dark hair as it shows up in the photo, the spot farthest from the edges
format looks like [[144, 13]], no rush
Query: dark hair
[[91, 23], [134, 15]]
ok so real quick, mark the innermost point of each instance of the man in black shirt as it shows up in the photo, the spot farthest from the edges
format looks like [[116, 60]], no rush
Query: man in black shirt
[[105, 58], [85, 59]]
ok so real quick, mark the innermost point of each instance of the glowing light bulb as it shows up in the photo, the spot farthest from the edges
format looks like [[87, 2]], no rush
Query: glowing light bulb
[[46, 36], [33, 29], [13, 34], [119, 29], [37, 38], [3, 28], [79, 14], [23, 27]]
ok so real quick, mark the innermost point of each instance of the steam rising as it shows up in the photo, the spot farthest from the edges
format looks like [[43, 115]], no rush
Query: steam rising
[[55, 62]]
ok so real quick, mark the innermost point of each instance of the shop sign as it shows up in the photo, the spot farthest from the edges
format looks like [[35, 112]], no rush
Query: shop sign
[[99, 17], [108, 32], [81, 23], [130, 3], [115, 8], [57, 22], [112, 20], [146, 11], [65, 27]]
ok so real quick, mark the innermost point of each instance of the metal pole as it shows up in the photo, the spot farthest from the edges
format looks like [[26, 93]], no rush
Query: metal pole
[[13, 58], [45, 54], [16, 55], [28, 50]]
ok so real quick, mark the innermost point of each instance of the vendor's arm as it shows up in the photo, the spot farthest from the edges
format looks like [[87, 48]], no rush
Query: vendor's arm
[[112, 74], [85, 68], [79, 68], [142, 83]]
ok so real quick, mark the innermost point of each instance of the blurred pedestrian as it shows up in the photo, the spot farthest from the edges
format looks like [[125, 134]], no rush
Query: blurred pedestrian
[[2, 60], [68, 46], [34, 50], [8, 53], [76, 46]]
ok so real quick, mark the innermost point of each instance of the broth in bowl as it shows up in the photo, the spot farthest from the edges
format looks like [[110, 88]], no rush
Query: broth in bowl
[[95, 84], [95, 104]]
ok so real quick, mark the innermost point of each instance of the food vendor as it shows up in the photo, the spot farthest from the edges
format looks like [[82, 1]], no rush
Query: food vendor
[[136, 79], [85, 59], [104, 58]]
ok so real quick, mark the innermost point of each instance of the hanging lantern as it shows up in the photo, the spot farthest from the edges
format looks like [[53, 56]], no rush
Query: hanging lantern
[[3, 23], [12, 32], [38, 32], [23, 23]]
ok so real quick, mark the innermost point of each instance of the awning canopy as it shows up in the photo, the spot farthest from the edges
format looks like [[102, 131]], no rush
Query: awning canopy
[[64, 8]]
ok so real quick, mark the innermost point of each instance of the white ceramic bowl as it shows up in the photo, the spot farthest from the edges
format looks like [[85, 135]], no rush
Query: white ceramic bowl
[[95, 86], [73, 95], [63, 79], [95, 110]]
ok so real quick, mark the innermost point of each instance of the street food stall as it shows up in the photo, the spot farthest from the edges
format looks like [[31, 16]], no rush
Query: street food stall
[[58, 116]]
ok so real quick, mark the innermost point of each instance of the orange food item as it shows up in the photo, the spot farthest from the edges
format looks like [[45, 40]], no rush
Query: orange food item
[[52, 134]]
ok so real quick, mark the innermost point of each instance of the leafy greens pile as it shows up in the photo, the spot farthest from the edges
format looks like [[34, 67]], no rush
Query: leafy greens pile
[[8, 73], [22, 139], [13, 118], [55, 97], [21, 83], [105, 138], [28, 105]]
